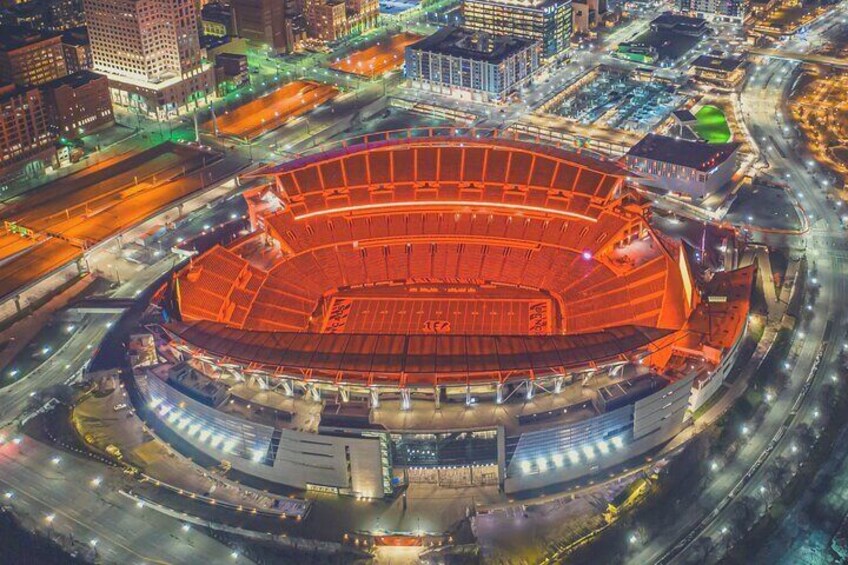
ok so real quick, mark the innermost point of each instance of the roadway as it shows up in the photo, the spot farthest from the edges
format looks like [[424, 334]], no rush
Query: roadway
[[76, 499], [743, 478]]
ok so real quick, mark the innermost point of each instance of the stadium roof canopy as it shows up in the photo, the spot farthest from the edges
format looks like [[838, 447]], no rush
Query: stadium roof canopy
[[417, 359]]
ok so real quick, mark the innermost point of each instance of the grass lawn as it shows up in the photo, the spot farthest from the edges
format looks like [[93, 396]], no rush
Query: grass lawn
[[712, 125]]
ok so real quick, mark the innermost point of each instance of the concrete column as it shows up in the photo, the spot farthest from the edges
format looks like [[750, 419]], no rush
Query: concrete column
[[499, 394], [468, 396], [530, 389], [287, 386], [315, 393], [437, 393], [375, 398], [344, 393], [558, 382], [405, 399]]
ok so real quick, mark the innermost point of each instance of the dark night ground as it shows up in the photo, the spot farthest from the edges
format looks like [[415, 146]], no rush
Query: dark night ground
[[21, 546]]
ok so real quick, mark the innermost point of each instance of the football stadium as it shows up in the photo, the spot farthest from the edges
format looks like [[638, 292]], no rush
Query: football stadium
[[456, 310]]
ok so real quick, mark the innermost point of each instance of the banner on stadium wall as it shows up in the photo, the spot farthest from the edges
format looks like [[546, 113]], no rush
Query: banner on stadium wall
[[539, 316], [337, 316]]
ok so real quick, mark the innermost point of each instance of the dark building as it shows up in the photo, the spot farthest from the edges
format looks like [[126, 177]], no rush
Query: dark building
[[723, 71], [265, 21], [78, 104], [25, 136], [77, 50], [30, 58], [231, 71]]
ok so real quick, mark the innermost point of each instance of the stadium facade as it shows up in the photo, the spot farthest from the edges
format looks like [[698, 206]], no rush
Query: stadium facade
[[453, 310]]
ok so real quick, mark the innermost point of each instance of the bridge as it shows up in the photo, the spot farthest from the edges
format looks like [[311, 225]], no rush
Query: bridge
[[102, 305], [803, 57]]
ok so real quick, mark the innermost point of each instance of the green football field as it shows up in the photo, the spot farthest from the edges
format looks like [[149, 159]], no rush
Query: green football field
[[712, 125]]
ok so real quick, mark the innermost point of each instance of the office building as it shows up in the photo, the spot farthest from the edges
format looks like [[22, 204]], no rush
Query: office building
[[30, 58], [150, 51], [26, 141], [265, 21], [546, 21], [216, 19], [331, 20], [78, 104], [720, 10], [693, 168], [587, 14], [472, 65], [77, 50]]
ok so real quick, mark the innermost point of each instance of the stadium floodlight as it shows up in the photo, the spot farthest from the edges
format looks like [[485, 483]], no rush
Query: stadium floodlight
[[558, 460], [603, 447], [525, 467], [542, 464], [617, 442], [573, 456], [589, 452]]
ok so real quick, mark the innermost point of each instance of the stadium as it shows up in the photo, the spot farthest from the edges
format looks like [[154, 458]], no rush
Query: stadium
[[452, 310]]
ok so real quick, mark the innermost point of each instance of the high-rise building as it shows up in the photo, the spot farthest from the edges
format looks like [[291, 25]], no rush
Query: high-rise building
[[330, 20], [150, 51], [78, 104], [30, 58], [472, 65], [721, 10], [77, 50], [265, 21], [25, 136], [587, 14], [547, 21]]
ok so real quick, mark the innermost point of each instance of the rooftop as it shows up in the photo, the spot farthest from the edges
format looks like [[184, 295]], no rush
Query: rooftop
[[693, 154], [15, 37], [479, 46], [415, 356], [726, 64], [679, 24], [75, 80], [77, 36]]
